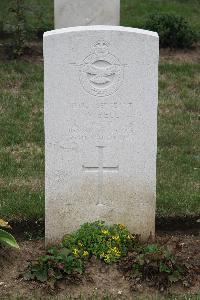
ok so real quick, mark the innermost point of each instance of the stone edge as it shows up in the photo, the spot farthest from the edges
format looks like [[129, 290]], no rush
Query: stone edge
[[100, 28]]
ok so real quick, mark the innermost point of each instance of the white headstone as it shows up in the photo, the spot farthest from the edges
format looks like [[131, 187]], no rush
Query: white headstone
[[69, 13], [100, 128]]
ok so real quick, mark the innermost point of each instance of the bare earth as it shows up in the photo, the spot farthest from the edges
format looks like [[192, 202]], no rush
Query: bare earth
[[99, 278], [180, 55]]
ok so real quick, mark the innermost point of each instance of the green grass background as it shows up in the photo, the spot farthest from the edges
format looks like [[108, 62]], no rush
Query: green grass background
[[22, 131], [133, 12]]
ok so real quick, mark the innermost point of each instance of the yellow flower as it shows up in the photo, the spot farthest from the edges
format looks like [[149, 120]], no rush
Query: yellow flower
[[85, 253], [102, 255], [116, 237], [105, 231], [4, 224], [129, 236], [80, 244], [107, 258], [122, 226], [115, 251], [75, 252]]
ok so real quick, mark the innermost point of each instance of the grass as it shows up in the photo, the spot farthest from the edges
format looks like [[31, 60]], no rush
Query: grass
[[178, 169], [39, 14], [22, 140], [134, 12]]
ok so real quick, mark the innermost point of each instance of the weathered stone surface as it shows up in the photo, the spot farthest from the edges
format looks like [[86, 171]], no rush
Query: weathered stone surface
[[100, 128], [69, 13]]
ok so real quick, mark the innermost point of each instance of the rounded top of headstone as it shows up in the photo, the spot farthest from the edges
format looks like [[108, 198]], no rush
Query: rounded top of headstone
[[101, 28]]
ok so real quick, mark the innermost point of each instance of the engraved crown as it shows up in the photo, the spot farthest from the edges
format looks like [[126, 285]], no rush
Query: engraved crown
[[101, 47]]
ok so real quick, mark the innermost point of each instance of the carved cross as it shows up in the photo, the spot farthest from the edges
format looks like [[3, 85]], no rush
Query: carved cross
[[100, 169]]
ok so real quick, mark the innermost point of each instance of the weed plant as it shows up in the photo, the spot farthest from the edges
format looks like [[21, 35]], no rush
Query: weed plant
[[174, 31]]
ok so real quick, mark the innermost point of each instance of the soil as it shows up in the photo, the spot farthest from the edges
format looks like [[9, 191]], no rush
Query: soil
[[180, 55], [99, 279], [35, 228]]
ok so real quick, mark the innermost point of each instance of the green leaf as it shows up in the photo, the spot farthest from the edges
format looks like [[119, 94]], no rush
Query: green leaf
[[164, 268], [41, 275], [7, 238], [175, 276], [151, 248], [29, 275], [65, 251]]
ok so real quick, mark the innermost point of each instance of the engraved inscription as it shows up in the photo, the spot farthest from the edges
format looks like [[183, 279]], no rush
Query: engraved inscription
[[100, 169], [101, 73], [104, 110]]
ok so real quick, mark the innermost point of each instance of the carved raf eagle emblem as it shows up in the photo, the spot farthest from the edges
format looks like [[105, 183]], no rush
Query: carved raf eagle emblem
[[101, 73]]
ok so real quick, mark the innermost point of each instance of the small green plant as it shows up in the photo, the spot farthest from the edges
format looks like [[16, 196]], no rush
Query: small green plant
[[6, 237], [108, 243], [58, 263], [156, 263], [17, 24], [174, 31], [43, 23]]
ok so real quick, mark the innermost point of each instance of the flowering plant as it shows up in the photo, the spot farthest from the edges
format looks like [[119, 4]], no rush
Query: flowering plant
[[108, 243]]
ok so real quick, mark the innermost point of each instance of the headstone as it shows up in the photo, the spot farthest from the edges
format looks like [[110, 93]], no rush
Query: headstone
[[101, 86], [68, 13]]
